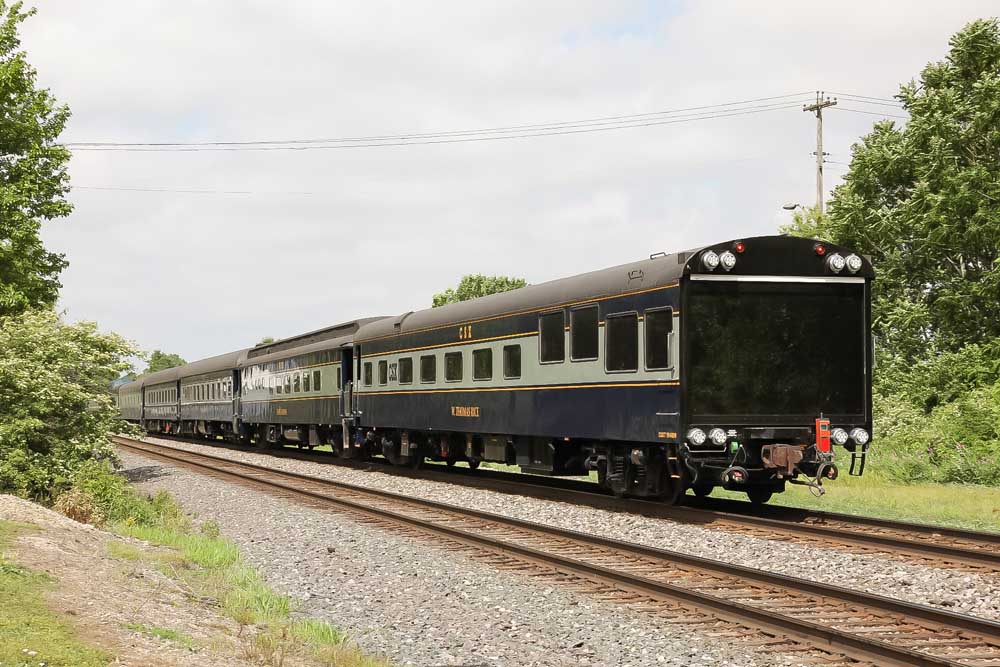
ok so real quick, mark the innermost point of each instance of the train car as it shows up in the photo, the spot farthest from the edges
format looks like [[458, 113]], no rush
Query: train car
[[740, 364], [130, 401], [209, 396], [160, 405], [292, 388]]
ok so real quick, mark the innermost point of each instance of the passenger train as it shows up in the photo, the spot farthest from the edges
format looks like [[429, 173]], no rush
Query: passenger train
[[744, 365]]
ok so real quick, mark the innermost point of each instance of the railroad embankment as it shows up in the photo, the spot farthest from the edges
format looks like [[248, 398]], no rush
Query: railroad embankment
[[77, 596]]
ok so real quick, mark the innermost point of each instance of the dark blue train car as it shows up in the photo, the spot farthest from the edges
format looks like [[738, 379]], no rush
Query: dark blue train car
[[739, 364]]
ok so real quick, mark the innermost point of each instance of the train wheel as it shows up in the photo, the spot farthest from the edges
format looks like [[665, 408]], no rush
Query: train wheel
[[450, 462], [759, 495], [474, 464], [702, 490], [390, 450]]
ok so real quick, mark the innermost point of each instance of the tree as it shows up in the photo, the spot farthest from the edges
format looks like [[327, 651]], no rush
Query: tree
[[475, 286], [266, 340], [923, 201], [55, 408], [159, 361], [33, 178]]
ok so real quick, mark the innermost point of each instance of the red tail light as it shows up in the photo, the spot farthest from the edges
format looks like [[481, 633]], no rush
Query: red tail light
[[739, 247], [819, 249], [823, 435]]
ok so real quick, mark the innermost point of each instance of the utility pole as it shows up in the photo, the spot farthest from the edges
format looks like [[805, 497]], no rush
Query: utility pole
[[821, 103]]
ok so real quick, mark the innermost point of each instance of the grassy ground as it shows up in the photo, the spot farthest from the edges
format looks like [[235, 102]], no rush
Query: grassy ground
[[29, 633], [212, 567], [964, 506]]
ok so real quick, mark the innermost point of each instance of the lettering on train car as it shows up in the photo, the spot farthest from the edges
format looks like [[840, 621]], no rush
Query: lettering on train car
[[465, 411]]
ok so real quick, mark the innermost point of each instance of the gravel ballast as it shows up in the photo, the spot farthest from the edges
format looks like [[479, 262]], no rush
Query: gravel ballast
[[420, 604], [947, 589]]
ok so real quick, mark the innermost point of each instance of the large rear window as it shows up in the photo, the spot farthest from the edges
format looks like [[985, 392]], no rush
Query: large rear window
[[773, 350]]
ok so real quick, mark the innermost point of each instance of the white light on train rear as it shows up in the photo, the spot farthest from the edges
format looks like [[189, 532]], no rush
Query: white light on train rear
[[717, 436], [710, 260], [836, 262], [838, 436], [859, 435], [853, 263], [728, 260], [696, 436]]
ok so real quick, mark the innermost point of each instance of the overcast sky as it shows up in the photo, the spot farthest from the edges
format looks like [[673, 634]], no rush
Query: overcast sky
[[385, 228]]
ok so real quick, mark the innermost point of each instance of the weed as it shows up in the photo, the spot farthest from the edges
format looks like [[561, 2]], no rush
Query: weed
[[166, 634]]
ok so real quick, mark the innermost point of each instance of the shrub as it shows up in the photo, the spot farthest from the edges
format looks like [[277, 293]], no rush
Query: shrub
[[56, 411]]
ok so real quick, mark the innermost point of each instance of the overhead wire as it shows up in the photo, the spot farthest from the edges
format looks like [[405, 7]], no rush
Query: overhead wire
[[597, 121], [491, 134], [871, 113]]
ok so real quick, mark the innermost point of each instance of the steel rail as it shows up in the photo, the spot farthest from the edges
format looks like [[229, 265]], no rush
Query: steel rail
[[917, 542], [854, 645]]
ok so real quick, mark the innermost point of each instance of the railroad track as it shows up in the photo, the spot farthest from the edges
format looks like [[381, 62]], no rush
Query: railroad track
[[819, 623], [932, 546]]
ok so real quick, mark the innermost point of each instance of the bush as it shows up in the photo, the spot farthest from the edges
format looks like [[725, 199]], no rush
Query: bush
[[56, 411], [958, 441]]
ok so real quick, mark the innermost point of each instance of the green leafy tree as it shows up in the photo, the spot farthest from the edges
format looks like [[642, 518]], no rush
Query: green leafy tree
[[160, 361], [475, 286], [33, 178], [266, 340], [55, 408], [923, 200]]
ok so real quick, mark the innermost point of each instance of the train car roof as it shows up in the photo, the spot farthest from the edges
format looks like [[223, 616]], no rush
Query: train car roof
[[159, 377], [333, 335], [221, 362], [645, 274], [288, 353], [776, 254]]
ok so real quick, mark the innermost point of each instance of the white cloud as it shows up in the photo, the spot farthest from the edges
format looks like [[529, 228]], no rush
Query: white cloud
[[201, 274]]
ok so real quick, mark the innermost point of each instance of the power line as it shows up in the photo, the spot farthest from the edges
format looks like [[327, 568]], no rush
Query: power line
[[877, 104], [379, 144], [585, 122], [873, 113], [190, 191], [866, 97]]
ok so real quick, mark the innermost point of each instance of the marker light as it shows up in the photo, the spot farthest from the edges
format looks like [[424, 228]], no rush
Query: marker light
[[838, 436], [717, 436], [710, 260], [819, 249], [859, 435], [739, 247], [836, 263], [696, 436], [728, 260], [853, 263]]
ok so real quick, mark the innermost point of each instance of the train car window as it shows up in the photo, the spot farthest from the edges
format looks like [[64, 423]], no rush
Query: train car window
[[318, 380], [512, 362], [482, 364], [280, 386], [297, 382], [406, 370], [453, 366], [552, 337], [583, 333], [270, 385], [368, 373], [383, 372], [288, 384], [306, 382], [621, 336], [428, 368], [339, 379]]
